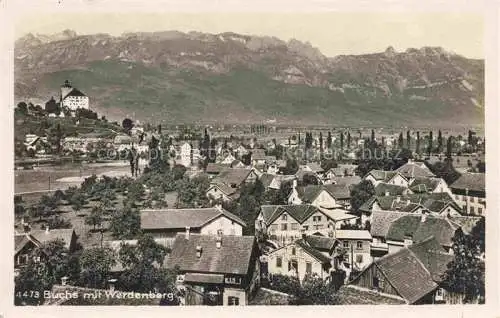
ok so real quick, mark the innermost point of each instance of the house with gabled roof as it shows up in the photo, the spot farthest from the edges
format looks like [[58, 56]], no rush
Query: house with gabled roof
[[440, 203], [390, 177], [258, 157], [303, 257], [428, 185], [413, 169], [286, 223], [226, 185], [24, 244], [166, 223], [470, 192], [216, 270], [327, 196], [387, 189], [424, 262], [73, 98]]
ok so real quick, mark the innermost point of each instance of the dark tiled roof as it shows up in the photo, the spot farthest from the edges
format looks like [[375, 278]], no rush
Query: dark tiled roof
[[424, 184], [232, 176], [408, 202], [383, 188], [233, 257], [471, 181], [180, 218], [382, 220], [382, 175], [406, 273], [320, 242], [309, 193], [215, 168], [433, 257], [313, 252], [338, 191], [348, 181], [299, 212], [412, 226], [266, 179], [353, 295], [411, 170], [204, 278], [315, 167], [63, 234], [258, 154], [74, 92]]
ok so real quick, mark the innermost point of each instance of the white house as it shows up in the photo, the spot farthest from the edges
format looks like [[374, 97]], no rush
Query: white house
[[186, 155], [73, 98]]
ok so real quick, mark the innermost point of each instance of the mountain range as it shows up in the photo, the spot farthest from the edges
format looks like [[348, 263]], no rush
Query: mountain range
[[173, 76]]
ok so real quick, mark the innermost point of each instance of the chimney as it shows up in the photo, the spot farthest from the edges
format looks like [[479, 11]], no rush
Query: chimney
[[64, 280], [198, 251], [187, 232]]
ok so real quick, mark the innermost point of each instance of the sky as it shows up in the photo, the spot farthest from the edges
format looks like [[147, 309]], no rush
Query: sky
[[334, 33]]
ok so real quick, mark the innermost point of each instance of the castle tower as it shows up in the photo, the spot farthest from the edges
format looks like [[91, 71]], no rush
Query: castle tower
[[65, 89]]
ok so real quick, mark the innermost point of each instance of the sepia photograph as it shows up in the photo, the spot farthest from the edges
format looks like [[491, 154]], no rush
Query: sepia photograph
[[249, 158]]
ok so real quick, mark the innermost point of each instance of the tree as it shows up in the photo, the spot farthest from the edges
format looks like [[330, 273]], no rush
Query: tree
[[400, 141], [321, 144], [291, 167], [178, 171], [348, 139], [22, 108], [192, 192], [309, 179], [417, 146], [280, 196], [449, 147], [445, 171], [329, 140], [18, 205], [373, 138], [360, 193], [408, 140], [46, 266], [127, 124], [52, 107], [440, 142], [125, 224], [141, 263], [96, 264], [248, 209], [429, 146], [95, 218], [315, 291], [465, 274]]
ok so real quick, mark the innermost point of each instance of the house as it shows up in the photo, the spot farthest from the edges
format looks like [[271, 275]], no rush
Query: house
[[413, 274], [24, 244], [273, 182], [287, 223], [440, 203], [214, 169], [348, 181], [122, 142], [226, 185], [301, 258], [216, 270], [410, 228], [301, 174], [237, 164], [354, 295], [312, 167], [275, 166], [387, 189], [413, 169], [73, 98], [258, 157], [342, 170], [356, 249], [166, 223], [68, 236], [116, 246], [36, 144], [428, 185], [390, 177], [228, 159], [470, 193], [325, 196]]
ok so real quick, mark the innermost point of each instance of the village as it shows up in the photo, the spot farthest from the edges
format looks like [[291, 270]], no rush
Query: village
[[251, 215]]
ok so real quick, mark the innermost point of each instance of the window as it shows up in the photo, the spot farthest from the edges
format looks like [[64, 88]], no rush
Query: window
[[233, 301], [480, 211], [359, 245], [375, 282], [273, 228], [359, 258], [472, 199], [471, 210], [279, 262], [294, 251], [308, 268], [306, 227], [317, 218], [284, 227], [295, 226], [284, 217], [346, 243]]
